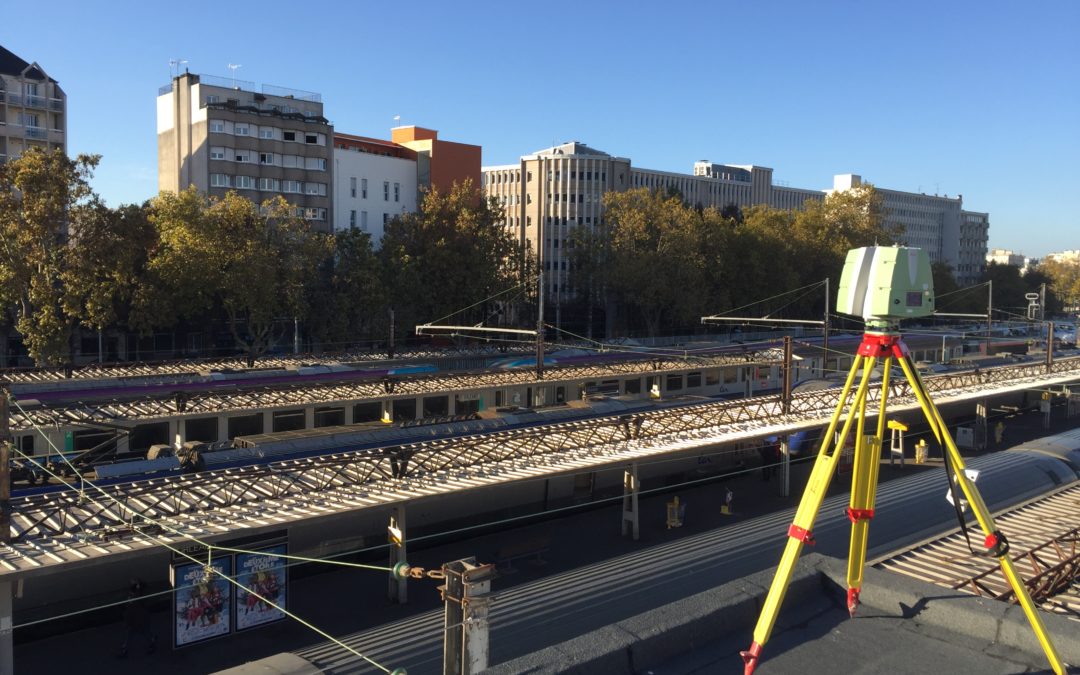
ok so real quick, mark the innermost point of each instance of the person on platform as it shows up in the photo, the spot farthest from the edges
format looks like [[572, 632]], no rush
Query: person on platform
[[137, 619]]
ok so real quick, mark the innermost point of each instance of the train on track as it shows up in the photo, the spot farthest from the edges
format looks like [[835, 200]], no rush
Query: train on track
[[312, 399]]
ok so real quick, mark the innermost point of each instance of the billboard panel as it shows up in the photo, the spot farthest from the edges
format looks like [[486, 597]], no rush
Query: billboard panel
[[263, 592], [202, 606]]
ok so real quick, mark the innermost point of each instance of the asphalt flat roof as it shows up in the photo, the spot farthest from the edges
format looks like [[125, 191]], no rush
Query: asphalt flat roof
[[904, 626]]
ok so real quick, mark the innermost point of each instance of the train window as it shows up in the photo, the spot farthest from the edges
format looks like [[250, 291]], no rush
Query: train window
[[633, 386], [693, 380], [560, 394], [245, 425], [145, 435], [674, 382], [404, 409], [90, 438], [201, 429], [26, 444], [731, 375], [329, 417], [498, 398], [712, 379], [469, 406], [288, 420], [436, 406], [367, 412]]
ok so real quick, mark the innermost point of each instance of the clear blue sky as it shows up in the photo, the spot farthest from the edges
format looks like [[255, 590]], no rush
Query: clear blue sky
[[977, 98]]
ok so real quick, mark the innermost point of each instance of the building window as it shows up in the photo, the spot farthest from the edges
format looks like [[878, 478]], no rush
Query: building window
[[266, 158], [245, 182], [314, 214], [352, 187], [266, 133], [363, 221], [352, 218], [290, 186], [311, 139], [385, 219], [240, 129], [363, 188], [315, 164], [397, 192], [288, 135], [217, 153], [219, 180], [316, 189], [269, 185], [242, 156], [211, 98], [386, 190]]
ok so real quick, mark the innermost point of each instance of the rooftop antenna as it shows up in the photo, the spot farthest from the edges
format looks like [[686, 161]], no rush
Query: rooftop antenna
[[397, 120], [174, 66], [232, 67]]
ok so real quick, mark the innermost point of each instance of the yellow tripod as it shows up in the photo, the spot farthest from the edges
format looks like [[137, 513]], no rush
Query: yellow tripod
[[888, 346]]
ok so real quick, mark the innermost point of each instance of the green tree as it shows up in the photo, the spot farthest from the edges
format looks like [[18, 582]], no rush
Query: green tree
[[108, 255], [654, 256], [42, 195], [349, 296], [1064, 281], [256, 262], [448, 258], [1009, 290]]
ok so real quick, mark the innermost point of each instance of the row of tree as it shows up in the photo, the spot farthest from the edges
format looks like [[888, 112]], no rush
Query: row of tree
[[185, 262]]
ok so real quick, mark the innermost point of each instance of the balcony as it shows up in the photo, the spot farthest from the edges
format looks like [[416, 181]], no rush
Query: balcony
[[35, 102], [37, 132], [56, 104]]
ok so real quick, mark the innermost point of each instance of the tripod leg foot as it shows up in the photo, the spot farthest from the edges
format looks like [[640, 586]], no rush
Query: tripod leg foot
[[750, 658], [852, 600]]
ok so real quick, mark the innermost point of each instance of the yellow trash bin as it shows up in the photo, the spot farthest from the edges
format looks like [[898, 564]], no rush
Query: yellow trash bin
[[921, 451]]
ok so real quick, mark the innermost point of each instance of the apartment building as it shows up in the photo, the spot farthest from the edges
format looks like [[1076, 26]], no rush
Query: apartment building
[[374, 181], [33, 108], [220, 134]]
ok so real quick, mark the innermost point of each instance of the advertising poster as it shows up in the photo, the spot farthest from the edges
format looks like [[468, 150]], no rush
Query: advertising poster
[[202, 606], [265, 574]]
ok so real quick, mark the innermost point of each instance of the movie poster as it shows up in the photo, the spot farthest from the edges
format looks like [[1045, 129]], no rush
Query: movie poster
[[202, 606], [260, 574]]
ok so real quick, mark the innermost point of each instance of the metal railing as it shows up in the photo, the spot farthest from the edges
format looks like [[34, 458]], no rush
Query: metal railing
[[56, 104], [37, 132], [285, 92], [33, 101]]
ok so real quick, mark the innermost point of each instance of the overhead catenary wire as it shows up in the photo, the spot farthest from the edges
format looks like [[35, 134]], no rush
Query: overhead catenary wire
[[192, 558], [493, 524]]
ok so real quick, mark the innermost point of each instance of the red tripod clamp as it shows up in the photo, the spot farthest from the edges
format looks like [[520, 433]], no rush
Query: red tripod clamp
[[803, 535]]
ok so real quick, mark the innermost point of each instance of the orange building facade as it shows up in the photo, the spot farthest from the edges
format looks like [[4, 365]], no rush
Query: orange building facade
[[439, 164]]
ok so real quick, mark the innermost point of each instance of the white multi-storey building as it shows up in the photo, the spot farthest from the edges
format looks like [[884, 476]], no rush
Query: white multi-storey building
[[938, 225], [33, 108], [374, 181], [554, 189]]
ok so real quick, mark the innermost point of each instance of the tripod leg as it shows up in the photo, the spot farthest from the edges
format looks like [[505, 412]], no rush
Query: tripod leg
[[995, 540], [800, 531], [864, 492]]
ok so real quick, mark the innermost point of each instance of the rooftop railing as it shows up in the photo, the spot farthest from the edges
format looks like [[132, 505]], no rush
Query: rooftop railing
[[246, 85]]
